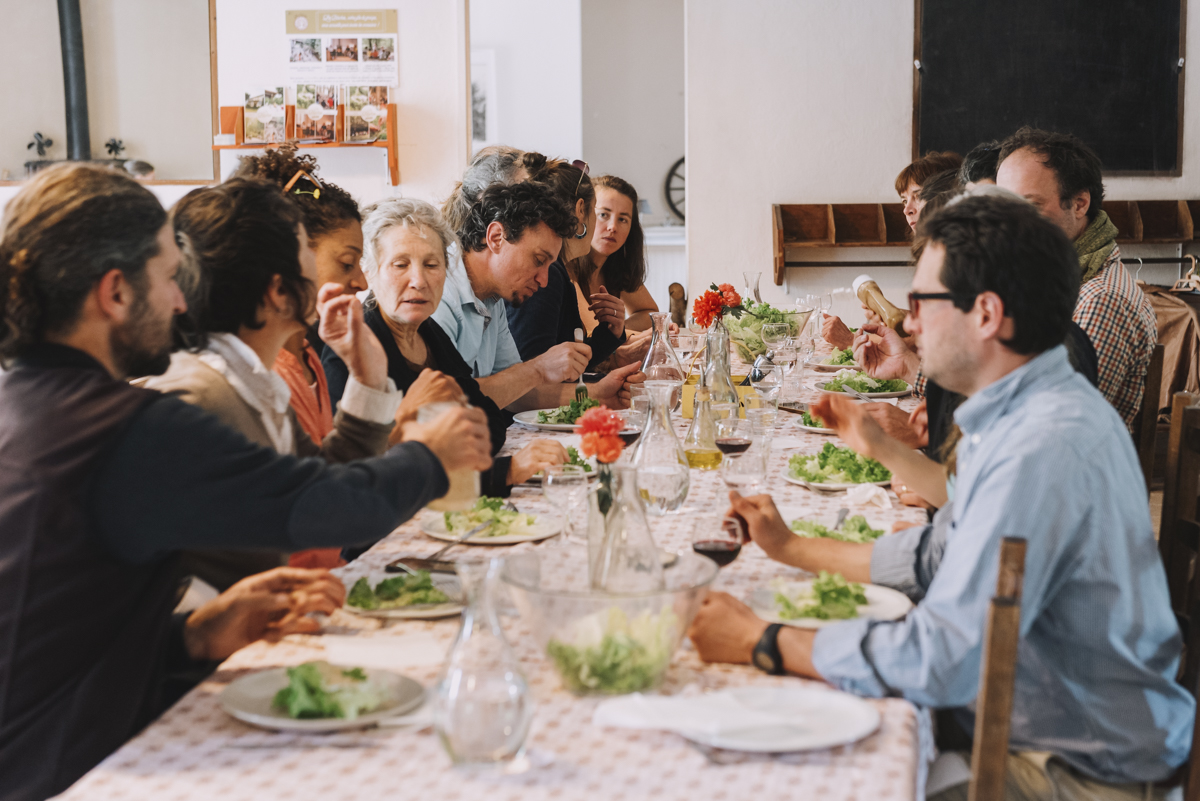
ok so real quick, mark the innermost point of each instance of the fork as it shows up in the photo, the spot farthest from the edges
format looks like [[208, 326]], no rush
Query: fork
[[581, 391], [459, 541]]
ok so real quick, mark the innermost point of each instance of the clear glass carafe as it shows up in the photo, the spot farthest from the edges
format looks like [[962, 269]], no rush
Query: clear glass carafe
[[661, 363], [482, 702], [752, 279], [700, 444], [625, 558], [718, 375], [662, 468]]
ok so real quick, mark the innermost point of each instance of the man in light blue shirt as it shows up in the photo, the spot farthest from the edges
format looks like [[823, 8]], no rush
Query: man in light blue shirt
[[508, 241], [1097, 712]]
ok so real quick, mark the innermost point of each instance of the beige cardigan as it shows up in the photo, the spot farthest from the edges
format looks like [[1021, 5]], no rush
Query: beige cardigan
[[192, 380]]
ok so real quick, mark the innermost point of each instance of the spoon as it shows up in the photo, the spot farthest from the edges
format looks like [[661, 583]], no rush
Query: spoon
[[581, 392]]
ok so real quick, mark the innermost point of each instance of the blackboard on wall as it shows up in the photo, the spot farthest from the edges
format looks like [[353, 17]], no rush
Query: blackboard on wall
[[1105, 70]]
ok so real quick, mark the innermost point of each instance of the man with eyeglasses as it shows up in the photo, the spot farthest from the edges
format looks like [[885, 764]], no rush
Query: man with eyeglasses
[[1097, 712]]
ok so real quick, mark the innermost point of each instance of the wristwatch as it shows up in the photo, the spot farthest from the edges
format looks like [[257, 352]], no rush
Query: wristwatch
[[766, 653]]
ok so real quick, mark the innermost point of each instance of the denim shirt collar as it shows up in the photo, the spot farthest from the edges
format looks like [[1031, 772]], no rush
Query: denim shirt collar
[[979, 412]]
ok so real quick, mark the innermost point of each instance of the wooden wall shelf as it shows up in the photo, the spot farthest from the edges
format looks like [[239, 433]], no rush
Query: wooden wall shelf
[[232, 118], [836, 225]]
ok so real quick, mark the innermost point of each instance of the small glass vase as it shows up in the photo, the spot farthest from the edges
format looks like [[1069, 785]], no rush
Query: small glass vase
[[661, 363], [622, 556], [662, 468], [482, 705], [752, 279], [718, 375]]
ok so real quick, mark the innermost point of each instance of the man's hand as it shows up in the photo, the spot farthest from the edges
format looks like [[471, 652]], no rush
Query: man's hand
[[566, 361], [431, 386], [537, 455], [265, 606], [726, 630], [898, 424], [609, 310], [888, 358], [835, 332], [765, 526], [459, 438], [852, 421], [343, 329], [613, 389]]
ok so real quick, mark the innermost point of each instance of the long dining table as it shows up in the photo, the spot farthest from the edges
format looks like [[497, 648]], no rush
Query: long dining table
[[196, 751]]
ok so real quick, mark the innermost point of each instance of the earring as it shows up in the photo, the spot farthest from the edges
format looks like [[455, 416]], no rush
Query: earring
[[581, 236]]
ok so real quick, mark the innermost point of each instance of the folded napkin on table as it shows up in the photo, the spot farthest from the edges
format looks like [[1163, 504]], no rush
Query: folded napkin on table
[[419, 649], [868, 495], [711, 715]]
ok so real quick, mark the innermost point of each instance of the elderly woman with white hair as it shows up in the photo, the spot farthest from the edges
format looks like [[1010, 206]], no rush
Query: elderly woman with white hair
[[404, 259]]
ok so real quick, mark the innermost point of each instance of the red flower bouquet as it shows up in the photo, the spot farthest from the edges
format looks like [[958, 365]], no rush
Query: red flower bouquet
[[599, 427], [715, 302]]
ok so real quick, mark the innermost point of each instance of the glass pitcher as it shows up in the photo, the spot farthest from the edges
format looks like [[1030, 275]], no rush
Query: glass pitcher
[[700, 444], [661, 363], [662, 468], [718, 375], [626, 558], [482, 706]]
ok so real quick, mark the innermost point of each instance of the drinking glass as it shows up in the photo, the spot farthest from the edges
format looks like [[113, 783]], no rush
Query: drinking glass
[[565, 487], [775, 336], [770, 383], [761, 415], [729, 440], [747, 472], [464, 483], [633, 422], [718, 538]]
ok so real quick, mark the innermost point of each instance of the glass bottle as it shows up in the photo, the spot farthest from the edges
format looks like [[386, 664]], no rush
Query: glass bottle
[[700, 444], [662, 468], [718, 376], [482, 703], [626, 559], [661, 363], [752, 279]]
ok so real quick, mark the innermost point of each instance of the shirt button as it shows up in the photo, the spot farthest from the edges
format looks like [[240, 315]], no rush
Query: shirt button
[[975, 439]]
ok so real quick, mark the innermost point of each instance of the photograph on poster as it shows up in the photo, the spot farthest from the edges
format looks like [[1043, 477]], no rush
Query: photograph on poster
[[316, 111], [366, 113], [253, 128], [341, 50], [379, 49], [324, 96], [305, 50]]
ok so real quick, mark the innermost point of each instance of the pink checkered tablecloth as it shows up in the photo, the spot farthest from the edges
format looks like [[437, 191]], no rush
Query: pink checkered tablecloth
[[195, 751]]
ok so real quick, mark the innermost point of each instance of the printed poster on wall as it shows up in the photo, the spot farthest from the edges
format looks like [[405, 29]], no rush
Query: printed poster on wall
[[342, 47]]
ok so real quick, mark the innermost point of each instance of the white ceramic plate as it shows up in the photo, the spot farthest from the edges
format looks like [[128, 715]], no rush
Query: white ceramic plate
[[530, 419], [817, 719], [446, 583], [802, 483], [800, 425], [820, 385], [883, 603], [828, 519], [249, 700], [821, 367], [544, 527]]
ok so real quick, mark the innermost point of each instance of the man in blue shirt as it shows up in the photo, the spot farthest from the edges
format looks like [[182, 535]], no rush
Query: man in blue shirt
[[1097, 712]]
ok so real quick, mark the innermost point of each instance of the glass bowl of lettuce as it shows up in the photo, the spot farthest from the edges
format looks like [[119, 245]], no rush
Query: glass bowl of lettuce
[[604, 643], [745, 330]]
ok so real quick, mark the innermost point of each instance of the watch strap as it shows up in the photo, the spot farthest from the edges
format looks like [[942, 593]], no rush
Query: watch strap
[[767, 656]]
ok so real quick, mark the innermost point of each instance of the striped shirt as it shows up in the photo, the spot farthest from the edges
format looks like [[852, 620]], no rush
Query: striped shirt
[[1121, 324], [1043, 457]]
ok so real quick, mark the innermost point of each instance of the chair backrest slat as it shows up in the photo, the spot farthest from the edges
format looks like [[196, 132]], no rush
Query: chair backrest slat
[[1146, 424]]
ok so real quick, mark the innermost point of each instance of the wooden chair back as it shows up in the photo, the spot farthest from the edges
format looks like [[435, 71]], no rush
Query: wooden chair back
[[997, 672], [1178, 543], [1146, 424]]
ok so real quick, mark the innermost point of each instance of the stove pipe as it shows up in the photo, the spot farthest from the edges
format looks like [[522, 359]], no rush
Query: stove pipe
[[70, 29]]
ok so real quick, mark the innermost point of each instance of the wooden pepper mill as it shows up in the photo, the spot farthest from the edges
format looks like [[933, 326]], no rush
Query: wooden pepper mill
[[678, 304]]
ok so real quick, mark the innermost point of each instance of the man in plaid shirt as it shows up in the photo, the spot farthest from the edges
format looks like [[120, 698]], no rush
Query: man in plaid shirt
[[1061, 176]]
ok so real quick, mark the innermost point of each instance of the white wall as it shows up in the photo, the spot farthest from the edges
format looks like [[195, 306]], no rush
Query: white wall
[[807, 101], [147, 80], [633, 102], [538, 72]]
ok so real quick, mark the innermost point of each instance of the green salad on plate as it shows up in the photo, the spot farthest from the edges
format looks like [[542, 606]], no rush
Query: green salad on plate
[[841, 357], [607, 653], [834, 465], [396, 592], [854, 529], [812, 422], [831, 598], [322, 690], [504, 522], [861, 382], [567, 415]]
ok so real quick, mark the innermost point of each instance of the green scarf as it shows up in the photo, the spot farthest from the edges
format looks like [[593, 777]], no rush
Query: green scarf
[[1095, 245]]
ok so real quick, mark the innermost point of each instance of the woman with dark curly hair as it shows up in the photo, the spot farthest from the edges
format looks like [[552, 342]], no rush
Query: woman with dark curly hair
[[334, 226]]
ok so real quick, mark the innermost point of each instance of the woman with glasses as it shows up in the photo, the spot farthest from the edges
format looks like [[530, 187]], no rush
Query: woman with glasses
[[552, 314]]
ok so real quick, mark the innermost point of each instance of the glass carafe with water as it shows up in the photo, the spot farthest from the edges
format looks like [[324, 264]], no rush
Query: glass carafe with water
[[627, 560], [723, 395], [662, 468], [482, 705], [661, 363]]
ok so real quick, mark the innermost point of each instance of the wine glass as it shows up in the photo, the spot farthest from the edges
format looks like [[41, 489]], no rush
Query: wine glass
[[775, 336], [633, 422], [769, 383], [718, 538], [728, 439], [747, 472], [565, 487]]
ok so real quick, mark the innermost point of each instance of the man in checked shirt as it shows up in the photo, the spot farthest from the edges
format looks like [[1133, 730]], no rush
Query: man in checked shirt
[[1060, 175]]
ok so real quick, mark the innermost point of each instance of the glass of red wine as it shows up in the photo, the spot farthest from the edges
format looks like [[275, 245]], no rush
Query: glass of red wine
[[633, 421], [719, 538], [729, 439]]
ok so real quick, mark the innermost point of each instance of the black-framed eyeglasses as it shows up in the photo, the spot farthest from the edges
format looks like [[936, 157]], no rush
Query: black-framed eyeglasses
[[584, 169], [915, 298], [305, 184]]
